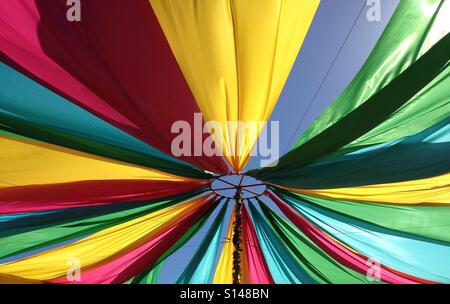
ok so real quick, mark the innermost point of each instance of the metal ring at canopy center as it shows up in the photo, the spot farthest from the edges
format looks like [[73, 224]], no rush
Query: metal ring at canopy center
[[228, 185]]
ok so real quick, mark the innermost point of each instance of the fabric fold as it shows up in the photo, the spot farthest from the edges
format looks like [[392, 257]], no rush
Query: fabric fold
[[105, 63]]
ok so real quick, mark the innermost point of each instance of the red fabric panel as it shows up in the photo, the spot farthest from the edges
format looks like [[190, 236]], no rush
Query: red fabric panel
[[115, 62], [257, 271], [87, 193]]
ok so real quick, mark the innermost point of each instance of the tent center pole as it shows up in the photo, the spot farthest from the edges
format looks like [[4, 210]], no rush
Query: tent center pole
[[237, 236]]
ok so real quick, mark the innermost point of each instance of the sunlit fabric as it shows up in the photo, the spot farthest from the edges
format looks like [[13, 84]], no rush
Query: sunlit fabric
[[420, 257], [132, 262], [152, 273], [283, 266], [412, 31], [389, 104], [369, 114], [244, 50], [318, 266], [368, 182], [418, 156]]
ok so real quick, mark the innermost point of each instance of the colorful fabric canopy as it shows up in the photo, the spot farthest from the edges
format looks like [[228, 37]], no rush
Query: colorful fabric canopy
[[122, 71], [91, 191]]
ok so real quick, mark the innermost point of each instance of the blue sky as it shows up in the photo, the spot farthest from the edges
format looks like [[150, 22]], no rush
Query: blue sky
[[325, 40]]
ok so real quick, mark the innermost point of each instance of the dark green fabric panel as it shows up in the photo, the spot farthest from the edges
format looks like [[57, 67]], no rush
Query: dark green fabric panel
[[423, 155], [429, 107]]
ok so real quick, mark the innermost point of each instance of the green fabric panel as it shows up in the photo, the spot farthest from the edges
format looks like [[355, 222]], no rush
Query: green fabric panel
[[423, 155], [150, 277], [427, 221], [368, 115], [410, 33], [200, 268], [429, 107], [321, 267], [68, 230]]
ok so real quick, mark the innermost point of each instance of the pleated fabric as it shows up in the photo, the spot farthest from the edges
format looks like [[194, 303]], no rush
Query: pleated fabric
[[40, 198], [426, 221], [307, 261], [33, 231], [430, 191]]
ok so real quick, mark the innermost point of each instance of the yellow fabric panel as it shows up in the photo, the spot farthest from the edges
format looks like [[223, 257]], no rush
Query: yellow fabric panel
[[429, 191], [99, 247], [28, 163], [224, 270], [9, 279], [236, 56]]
